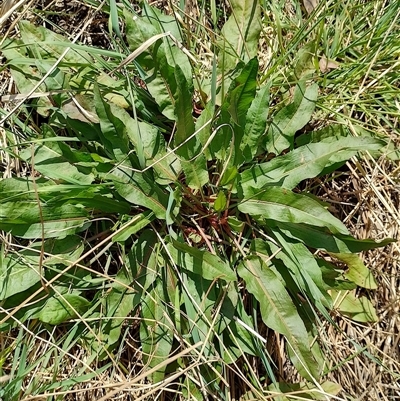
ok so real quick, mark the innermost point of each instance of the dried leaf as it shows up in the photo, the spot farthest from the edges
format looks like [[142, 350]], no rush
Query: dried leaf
[[310, 5], [75, 111], [325, 64], [5, 7]]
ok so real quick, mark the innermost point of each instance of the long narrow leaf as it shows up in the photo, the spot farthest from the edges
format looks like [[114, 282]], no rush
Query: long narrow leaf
[[318, 238], [151, 142], [256, 123], [357, 271], [278, 311], [183, 111], [200, 262], [306, 162], [113, 138], [291, 118], [155, 332], [301, 265], [240, 33], [193, 162], [24, 219], [283, 205], [143, 191], [16, 276]]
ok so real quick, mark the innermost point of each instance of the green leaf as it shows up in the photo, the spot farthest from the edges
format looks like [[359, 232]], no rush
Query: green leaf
[[166, 165], [330, 131], [46, 44], [305, 62], [113, 20], [137, 223], [156, 334], [238, 101], [240, 34], [334, 277], [278, 311], [114, 91], [329, 388], [232, 119], [22, 314], [93, 197], [193, 162], [120, 302], [229, 299], [220, 202], [27, 77], [54, 195], [137, 275], [161, 20], [204, 263], [73, 380], [229, 175], [300, 264], [23, 219], [96, 202], [162, 91], [148, 139], [143, 259], [303, 391], [359, 309], [50, 162], [22, 189], [318, 238], [142, 190], [279, 204], [203, 128], [305, 162], [31, 63], [59, 309], [196, 173], [183, 110], [16, 275], [291, 118], [191, 390], [357, 271], [61, 251], [56, 79], [256, 123], [199, 309], [114, 138], [168, 52], [160, 60], [138, 30], [235, 224], [241, 93], [242, 337]]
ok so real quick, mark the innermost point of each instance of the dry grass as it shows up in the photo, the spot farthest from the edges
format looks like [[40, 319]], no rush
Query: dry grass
[[371, 210], [366, 358]]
